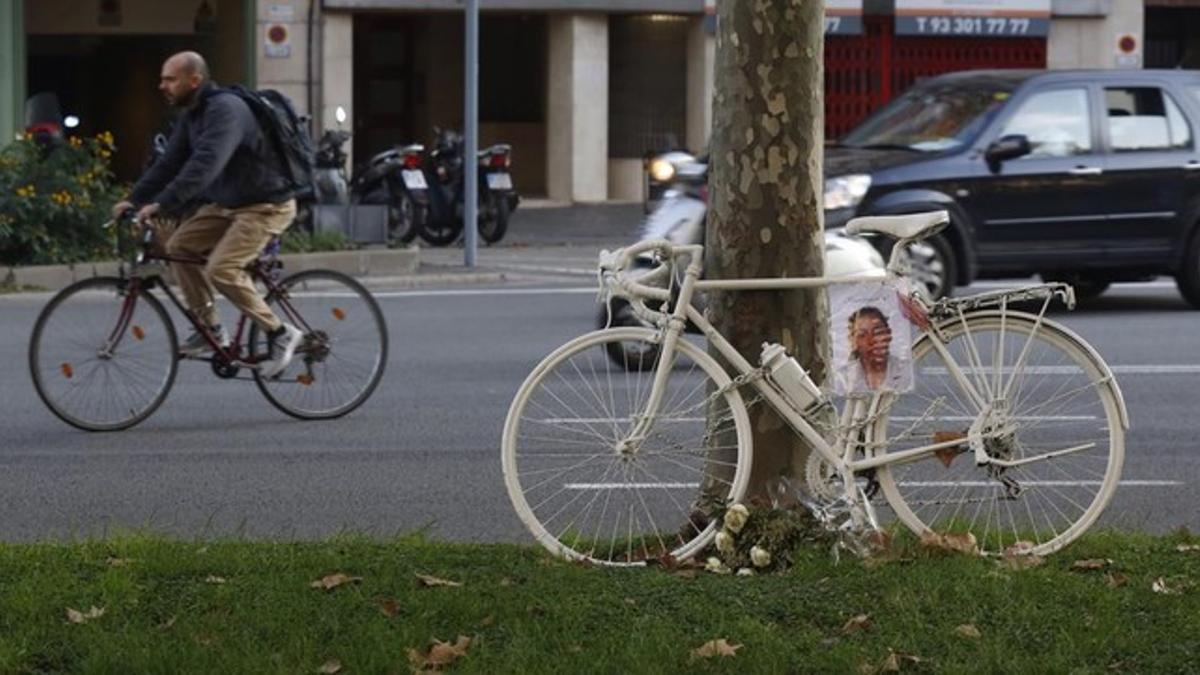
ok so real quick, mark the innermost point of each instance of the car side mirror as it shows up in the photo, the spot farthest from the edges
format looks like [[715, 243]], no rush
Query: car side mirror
[[1008, 147]]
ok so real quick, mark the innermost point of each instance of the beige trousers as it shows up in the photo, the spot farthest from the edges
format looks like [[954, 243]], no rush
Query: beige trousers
[[232, 239]]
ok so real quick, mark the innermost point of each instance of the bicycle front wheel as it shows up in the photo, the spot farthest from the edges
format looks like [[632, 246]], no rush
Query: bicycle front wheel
[[1031, 393], [593, 480], [344, 351], [101, 359]]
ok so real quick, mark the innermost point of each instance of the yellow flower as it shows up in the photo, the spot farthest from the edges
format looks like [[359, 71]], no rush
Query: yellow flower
[[106, 138], [75, 142], [105, 154]]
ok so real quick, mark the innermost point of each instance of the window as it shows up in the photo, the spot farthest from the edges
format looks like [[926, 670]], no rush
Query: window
[[1145, 118], [1056, 123]]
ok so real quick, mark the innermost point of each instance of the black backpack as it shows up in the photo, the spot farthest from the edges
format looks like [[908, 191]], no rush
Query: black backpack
[[285, 131]]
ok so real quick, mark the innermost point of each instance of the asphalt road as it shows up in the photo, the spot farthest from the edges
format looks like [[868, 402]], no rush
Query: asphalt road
[[423, 453]]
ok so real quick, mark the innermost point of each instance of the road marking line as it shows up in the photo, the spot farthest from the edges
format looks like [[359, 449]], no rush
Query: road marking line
[[1034, 483], [458, 292]]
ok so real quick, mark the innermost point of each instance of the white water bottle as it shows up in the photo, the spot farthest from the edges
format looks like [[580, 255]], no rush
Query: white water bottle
[[789, 377]]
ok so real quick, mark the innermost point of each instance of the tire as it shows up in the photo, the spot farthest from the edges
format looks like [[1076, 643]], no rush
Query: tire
[[574, 404], [404, 219], [493, 229], [342, 327], [1188, 278], [78, 379], [934, 267], [637, 355], [1063, 397]]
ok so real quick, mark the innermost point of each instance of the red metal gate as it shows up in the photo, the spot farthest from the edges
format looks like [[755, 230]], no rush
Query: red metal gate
[[862, 72]]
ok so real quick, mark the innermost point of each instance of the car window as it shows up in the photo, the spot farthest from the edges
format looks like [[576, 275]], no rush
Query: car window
[[1057, 123], [1145, 118]]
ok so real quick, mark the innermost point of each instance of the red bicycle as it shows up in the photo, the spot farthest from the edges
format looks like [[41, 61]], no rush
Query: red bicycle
[[104, 351]]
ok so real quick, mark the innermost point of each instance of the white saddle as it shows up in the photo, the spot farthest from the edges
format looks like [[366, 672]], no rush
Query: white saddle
[[912, 226]]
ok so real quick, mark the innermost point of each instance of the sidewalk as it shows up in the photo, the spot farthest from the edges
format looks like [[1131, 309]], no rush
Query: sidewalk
[[543, 238]]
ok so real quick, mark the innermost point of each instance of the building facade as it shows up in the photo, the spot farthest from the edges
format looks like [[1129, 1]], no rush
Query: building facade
[[582, 89]]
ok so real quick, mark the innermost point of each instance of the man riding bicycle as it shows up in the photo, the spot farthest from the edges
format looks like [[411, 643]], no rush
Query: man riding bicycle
[[217, 155]]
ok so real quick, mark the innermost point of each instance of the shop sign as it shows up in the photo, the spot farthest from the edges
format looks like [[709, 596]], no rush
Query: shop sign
[[973, 18], [843, 17]]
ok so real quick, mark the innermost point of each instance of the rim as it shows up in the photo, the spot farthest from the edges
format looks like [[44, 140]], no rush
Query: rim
[[89, 382], [343, 353], [583, 490], [1060, 401]]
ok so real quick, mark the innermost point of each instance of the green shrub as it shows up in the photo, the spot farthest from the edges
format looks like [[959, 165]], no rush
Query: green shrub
[[53, 202], [296, 241]]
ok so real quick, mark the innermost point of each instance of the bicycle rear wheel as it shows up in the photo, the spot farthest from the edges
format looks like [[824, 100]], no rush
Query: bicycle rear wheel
[[1053, 395], [100, 359], [342, 357], [590, 485]]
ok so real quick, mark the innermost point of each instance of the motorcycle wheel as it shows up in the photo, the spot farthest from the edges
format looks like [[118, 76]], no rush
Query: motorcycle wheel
[[403, 219], [492, 229], [634, 356], [440, 232]]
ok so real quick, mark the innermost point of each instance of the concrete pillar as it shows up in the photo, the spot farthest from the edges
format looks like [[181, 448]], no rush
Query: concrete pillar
[[577, 102], [702, 55], [337, 81], [12, 69], [1089, 39], [284, 69]]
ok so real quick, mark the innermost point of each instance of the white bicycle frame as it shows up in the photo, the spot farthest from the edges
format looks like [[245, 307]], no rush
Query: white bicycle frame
[[858, 410]]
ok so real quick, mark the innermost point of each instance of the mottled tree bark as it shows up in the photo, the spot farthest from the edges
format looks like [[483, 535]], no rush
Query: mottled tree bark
[[765, 216]]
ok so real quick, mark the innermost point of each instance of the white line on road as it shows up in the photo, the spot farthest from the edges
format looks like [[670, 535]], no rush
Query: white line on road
[[463, 292], [1033, 483]]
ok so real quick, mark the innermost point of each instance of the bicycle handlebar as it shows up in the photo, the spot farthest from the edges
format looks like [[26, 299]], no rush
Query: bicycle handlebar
[[614, 263]]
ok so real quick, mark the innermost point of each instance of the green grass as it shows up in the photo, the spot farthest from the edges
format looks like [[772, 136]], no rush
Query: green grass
[[532, 614]]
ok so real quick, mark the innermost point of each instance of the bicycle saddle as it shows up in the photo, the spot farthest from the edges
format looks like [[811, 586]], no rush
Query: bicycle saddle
[[912, 226]]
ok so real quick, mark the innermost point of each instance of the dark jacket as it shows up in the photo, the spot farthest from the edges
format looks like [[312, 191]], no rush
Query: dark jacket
[[216, 155]]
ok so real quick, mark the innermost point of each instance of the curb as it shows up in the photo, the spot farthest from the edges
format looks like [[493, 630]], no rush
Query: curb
[[361, 264]]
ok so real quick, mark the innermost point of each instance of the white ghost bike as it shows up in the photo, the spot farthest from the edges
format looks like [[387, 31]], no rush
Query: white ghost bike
[[1014, 430]]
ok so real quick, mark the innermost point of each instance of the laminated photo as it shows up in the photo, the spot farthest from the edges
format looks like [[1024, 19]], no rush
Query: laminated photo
[[871, 339]]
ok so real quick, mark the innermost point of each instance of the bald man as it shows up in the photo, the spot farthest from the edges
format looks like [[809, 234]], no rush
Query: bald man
[[218, 156]]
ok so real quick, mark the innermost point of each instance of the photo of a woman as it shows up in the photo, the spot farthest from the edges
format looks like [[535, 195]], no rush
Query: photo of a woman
[[870, 339]]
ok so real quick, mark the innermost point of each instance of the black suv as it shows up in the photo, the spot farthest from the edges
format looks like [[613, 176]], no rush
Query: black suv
[[1085, 176]]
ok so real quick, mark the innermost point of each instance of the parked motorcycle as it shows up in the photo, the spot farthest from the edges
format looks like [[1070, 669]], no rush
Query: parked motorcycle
[[392, 177], [680, 218], [444, 173]]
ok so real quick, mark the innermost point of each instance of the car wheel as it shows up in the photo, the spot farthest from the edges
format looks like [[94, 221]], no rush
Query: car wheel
[[1188, 278], [933, 267]]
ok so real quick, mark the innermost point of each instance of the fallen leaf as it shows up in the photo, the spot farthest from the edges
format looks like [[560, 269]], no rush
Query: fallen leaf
[[689, 573], [856, 623], [894, 661], [968, 630], [390, 608], [1161, 585], [332, 581], [1022, 562], [1115, 579], [331, 667], [428, 580], [166, 625], [214, 579], [630, 601], [76, 616], [575, 649], [487, 620], [1187, 548], [879, 541], [1091, 564], [506, 582], [954, 543], [206, 639], [712, 648], [119, 562], [440, 654], [946, 455]]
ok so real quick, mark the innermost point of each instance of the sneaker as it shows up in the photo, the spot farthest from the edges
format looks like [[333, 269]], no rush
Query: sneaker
[[281, 343], [197, 344]]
